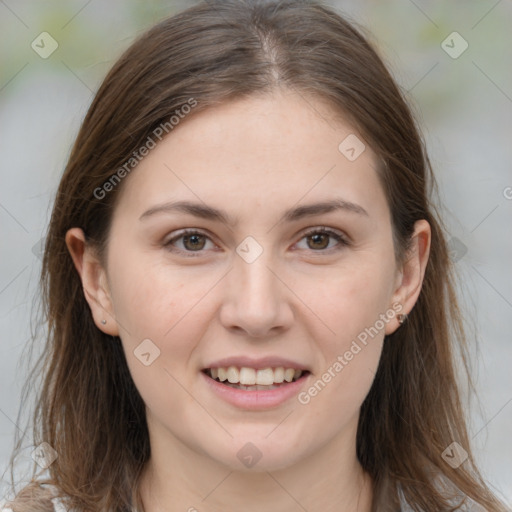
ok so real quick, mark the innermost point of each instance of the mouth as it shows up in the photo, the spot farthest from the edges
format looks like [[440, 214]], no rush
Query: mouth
[[251, 379]]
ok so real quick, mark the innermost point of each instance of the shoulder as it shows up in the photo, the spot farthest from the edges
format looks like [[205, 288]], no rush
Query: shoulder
[[36, 497]]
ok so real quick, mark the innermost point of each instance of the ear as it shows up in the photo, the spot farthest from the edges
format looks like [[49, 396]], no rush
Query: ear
[[410, 277], [94, 281]]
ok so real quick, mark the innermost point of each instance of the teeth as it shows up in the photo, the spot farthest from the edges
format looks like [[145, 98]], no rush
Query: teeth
[[288, 374], [279, 374], [233, 374], [265, 377], [248, 376], [254, 378], [252, 388]]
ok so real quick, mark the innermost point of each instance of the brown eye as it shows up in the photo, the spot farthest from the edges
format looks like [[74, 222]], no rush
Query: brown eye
[[194, 242], [318, 241], [188, 242]]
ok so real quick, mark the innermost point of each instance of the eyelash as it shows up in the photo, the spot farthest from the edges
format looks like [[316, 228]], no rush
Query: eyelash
[[342, 240]]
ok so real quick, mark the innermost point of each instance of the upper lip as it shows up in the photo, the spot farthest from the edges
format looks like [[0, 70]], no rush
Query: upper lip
[[257, 364]]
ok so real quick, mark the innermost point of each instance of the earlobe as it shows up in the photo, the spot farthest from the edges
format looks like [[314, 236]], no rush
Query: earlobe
[[94, 281], [412, 272]]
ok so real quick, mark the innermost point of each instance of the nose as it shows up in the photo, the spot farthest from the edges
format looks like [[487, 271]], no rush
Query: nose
[[256, 300]]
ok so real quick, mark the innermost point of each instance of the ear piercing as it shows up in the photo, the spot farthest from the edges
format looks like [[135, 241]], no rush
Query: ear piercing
[[401, 318], [103, 322]]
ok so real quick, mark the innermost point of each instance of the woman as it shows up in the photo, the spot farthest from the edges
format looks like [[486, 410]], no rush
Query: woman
[[250, 299]]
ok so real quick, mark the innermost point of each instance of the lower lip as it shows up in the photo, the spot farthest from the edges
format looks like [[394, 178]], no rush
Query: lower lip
[[255, 400]]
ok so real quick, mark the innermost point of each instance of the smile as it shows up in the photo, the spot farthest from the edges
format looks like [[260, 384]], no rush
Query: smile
[[255, 389], [251, 379]]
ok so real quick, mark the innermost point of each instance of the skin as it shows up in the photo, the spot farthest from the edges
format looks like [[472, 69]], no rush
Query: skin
[[253, 158]]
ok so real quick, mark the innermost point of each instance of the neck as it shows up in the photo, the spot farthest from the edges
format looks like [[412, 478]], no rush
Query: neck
[[329, 480]]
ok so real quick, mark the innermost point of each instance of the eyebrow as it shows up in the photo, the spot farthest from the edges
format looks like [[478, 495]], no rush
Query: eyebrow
[[293, 214]]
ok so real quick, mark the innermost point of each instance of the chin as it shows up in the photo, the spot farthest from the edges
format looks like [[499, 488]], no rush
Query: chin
[[257, 454]]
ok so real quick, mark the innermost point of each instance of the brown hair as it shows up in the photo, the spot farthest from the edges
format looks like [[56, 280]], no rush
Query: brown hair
[[89, 410]]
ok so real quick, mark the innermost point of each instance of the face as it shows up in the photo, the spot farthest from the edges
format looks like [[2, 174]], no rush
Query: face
[[261, 279]]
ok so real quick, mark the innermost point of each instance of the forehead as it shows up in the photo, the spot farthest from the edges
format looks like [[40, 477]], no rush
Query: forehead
[[266, 151]]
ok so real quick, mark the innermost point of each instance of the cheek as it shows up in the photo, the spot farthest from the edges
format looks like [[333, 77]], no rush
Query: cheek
[[333, 401], [349, 299], [159, 309], [153, 298], [350, 356], [165, 305], [354, 304]]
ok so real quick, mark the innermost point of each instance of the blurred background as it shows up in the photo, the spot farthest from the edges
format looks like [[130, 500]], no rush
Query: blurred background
[[453, 61]]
